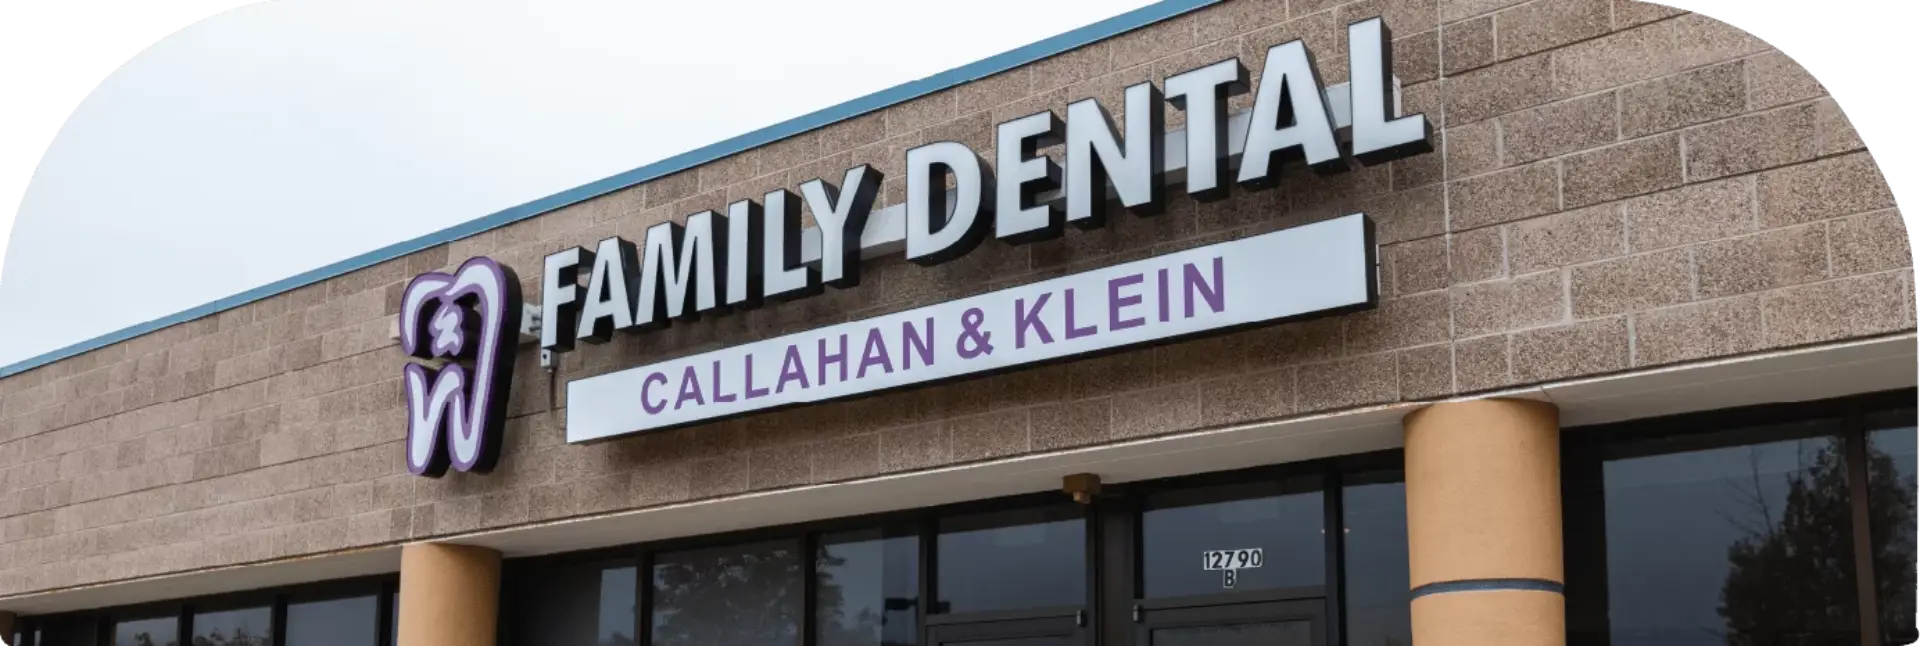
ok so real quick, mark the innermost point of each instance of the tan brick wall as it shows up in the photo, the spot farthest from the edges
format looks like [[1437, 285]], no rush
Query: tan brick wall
[[1620, 186]]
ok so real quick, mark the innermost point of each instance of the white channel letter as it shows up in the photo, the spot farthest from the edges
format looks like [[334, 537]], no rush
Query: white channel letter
[[743, 254], [783, 276], [1024, 174], [841, 213], [560, 297], [1378, 137], [1290, 118], [1203, 93], [937, 232], [609, 304], [1094, 158], [677, 278]]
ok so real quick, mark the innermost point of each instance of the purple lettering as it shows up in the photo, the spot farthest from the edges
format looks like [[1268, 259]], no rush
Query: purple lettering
[[1023, 319], [825, 359], [1215, 295], [720, 397], [753, 393], [1116, 302], [875, 353], [914, 342], [647, 385], [1076, 332], [791, 369], [1166, 306], [689, 389]]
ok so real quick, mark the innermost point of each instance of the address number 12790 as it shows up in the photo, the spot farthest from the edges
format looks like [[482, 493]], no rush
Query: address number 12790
[[1234, 559]]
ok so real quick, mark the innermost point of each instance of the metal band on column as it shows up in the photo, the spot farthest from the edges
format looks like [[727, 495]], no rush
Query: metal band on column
[[449, 595], [1483, 524]]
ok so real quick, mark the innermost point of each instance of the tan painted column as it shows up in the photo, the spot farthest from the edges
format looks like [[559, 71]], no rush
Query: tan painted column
[[449, 595], [1483, 524]]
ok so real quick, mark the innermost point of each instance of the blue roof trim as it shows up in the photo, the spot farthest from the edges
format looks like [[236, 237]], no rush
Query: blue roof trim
[[885, 98]]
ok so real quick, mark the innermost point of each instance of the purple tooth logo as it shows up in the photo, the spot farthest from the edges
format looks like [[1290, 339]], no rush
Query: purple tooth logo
[[455, 413]]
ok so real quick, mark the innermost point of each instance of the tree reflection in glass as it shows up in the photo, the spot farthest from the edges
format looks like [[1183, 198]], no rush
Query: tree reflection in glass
[[1890, 510], [244, 627], [1748, 544], [1790, 572], [160, 631], [744, 595]]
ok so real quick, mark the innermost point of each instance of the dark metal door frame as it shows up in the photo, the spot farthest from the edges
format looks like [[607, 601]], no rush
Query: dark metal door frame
[[1310, 610]]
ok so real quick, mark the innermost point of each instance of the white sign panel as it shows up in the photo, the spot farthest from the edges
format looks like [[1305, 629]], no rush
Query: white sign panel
[[1284, 274]]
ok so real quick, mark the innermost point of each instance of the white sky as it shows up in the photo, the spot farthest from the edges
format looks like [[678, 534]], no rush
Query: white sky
[[281, 137]]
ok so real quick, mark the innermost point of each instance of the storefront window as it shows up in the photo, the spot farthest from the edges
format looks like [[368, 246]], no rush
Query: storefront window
[[243, 627], [62, 631], [578, 604], [1025, 559], [746, 594], [1890, 492], [1271, 532], [867, 589], [158, 631], [1740, 536], [352, 621], [1374, 507]]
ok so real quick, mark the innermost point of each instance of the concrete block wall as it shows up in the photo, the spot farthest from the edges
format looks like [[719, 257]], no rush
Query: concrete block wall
[[1615, 186]]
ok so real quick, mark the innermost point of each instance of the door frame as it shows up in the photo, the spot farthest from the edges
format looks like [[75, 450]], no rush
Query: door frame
[[1194, 614], [983, 626]]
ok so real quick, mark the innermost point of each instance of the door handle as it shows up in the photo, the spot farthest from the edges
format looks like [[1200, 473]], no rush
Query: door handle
[[1136, 613]]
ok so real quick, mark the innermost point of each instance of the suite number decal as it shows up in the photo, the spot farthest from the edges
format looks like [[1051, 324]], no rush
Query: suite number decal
[[1230, 562]]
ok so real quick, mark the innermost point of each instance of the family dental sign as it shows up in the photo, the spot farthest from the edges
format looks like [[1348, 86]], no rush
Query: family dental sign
[[757, 252]]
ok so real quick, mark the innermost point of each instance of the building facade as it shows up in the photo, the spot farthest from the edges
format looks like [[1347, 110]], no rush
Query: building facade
[[1533, 322]]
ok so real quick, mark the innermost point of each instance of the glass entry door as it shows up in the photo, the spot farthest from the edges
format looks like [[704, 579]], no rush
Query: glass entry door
[[1277, 623], [1236, 564], [1245, 562], [1011, 578]]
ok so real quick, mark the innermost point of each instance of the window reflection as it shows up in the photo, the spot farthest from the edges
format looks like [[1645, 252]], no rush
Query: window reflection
[[867, 589], [1890, 495], [749, 595], [160, 631], [1283, 520], [1374, 507], [334, 622], [578, 604], [1029, 558], [619, 588], [244, 627], [69, 629], [1738, 544]]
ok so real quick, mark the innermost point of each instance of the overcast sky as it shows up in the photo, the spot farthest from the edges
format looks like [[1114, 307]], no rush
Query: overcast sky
[[284, 136]]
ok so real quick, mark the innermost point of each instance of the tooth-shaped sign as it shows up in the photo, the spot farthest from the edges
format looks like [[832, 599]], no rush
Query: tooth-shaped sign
[[455, 413]]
